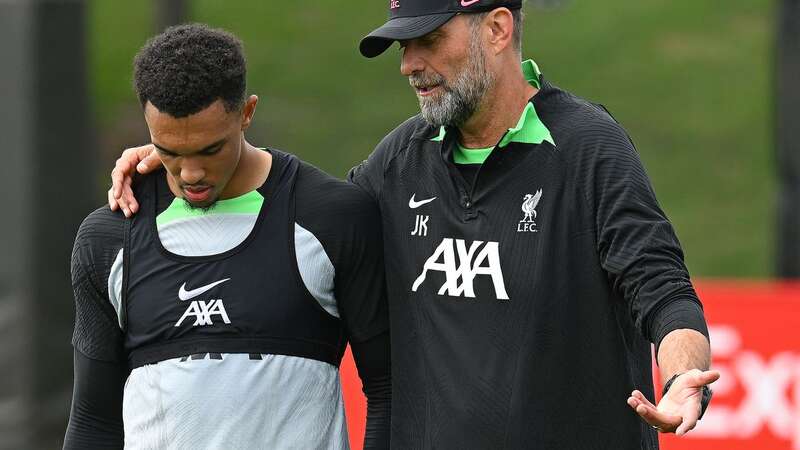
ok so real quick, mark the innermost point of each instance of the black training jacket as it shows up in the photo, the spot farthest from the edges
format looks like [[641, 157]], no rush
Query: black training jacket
[[523, 307]]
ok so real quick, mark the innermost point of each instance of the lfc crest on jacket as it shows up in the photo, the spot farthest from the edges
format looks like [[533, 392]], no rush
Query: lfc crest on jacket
[[529, 203]]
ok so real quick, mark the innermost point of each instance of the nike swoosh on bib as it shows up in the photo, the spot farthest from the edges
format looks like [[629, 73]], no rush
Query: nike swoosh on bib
[[184, 295], [414, 204]]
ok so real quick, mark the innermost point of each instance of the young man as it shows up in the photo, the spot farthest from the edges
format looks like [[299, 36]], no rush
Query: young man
[[532, 266], [217, 317]]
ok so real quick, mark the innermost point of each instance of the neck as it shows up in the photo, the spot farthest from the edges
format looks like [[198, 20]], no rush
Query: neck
[[500, 110], [251, 172]]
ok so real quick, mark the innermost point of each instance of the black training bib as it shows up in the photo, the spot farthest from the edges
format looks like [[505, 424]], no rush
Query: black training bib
[[250, 299]]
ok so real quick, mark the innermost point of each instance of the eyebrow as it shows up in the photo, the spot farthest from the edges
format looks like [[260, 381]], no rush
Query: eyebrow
[[437, 33], [208, 147]]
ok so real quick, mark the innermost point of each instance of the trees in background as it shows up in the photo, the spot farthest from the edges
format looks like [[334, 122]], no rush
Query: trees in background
[[46, 187]]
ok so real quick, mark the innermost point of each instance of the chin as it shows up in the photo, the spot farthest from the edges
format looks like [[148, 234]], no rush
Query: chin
[[204, 206]]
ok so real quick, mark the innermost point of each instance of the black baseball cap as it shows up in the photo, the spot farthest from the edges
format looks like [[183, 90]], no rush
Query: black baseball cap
[[410, 19]]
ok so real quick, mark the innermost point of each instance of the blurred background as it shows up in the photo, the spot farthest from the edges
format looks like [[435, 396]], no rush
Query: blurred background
[[708, 90]]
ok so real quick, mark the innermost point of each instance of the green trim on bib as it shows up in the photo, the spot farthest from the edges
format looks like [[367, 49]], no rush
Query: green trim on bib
[[249, 203]]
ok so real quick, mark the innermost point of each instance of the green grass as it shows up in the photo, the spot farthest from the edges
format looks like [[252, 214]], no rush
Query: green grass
[[690, 81], [115, 35]]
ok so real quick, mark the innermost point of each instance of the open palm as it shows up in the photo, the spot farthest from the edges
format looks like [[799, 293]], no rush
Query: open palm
[[679, 409]]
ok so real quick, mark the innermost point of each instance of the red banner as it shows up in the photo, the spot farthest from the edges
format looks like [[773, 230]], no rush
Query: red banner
[[755, 343]]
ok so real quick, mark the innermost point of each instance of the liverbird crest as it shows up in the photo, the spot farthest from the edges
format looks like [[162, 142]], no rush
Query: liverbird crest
[[529, 204]]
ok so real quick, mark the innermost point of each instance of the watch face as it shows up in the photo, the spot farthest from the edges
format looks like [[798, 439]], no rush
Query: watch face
[[705, 400]]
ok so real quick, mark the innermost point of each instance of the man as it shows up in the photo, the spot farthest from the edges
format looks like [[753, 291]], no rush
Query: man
[[532, 265], [217, 317]]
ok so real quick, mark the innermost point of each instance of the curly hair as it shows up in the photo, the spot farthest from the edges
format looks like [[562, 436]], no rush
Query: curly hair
[[188, 67]]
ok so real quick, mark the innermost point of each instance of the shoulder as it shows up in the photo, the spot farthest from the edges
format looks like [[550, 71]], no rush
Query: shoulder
[[99, 239], [369, 174], [324, 201], [102, 228], [340, 216], [588, 139], [414, 127], [578, 125], [398, 140]]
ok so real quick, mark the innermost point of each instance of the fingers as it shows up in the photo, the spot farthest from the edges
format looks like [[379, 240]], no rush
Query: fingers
[[149, 161], [686, 405], [709, 376], [118, 174], [143, 159], [112, 202], [689, 421], [686, 426], [666, 423], [639, 396], [129, 159], [120, 192], [697, 378], [127, 201]]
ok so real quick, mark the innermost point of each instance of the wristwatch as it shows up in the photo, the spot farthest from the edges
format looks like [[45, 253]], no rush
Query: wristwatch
[[704, 400]]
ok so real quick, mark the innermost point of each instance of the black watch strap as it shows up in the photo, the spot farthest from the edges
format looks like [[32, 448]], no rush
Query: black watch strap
[[704, 400]]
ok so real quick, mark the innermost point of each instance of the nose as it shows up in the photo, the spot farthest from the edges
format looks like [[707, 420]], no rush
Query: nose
[[411, 61], [192, 171]]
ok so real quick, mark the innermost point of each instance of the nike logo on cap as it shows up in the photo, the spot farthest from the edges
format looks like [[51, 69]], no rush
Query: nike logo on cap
[[416, 204], [469, 2], [184, 295]]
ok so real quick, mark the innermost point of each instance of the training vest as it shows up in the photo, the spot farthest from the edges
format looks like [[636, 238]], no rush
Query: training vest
[[250, 299]]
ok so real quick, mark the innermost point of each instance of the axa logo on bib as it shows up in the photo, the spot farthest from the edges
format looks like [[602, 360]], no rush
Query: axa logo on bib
[[461, 264], [202, 310]]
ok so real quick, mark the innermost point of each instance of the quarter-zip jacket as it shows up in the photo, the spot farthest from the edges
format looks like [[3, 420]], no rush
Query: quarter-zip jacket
[[522, 305]]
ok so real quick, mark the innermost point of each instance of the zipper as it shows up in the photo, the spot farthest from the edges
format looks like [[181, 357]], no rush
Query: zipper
[[478, 174]]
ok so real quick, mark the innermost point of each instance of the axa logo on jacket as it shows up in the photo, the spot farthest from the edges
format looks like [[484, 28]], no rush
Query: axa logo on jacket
[[461, 265]]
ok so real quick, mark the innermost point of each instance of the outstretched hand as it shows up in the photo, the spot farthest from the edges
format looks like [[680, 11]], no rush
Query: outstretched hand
[[143, 159], [679, 409]]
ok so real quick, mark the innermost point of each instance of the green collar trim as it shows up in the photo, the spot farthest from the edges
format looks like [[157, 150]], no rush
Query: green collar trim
[[530, 129], [249, 203], [532, 73], [440, 137], [471, 155]]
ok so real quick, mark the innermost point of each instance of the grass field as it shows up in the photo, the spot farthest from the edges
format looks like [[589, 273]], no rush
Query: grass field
[[690, 81]]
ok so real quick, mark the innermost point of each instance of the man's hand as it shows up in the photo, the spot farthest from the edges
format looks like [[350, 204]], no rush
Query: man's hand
[[679, 410], [145, 160]]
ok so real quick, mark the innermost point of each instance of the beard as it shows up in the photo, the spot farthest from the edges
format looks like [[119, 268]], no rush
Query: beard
[[458, 100], [204, 207]]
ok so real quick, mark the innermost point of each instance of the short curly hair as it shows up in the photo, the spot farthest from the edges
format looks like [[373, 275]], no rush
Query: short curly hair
[[188, 67]]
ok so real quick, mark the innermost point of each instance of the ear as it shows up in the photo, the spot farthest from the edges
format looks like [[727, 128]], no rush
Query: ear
[[249, 111], [501, 27]]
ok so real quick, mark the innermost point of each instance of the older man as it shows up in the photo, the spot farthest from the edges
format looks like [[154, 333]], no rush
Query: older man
[[542, 266], [532, 266]]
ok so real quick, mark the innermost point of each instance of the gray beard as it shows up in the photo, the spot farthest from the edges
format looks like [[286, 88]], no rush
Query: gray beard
[[457, 101]]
